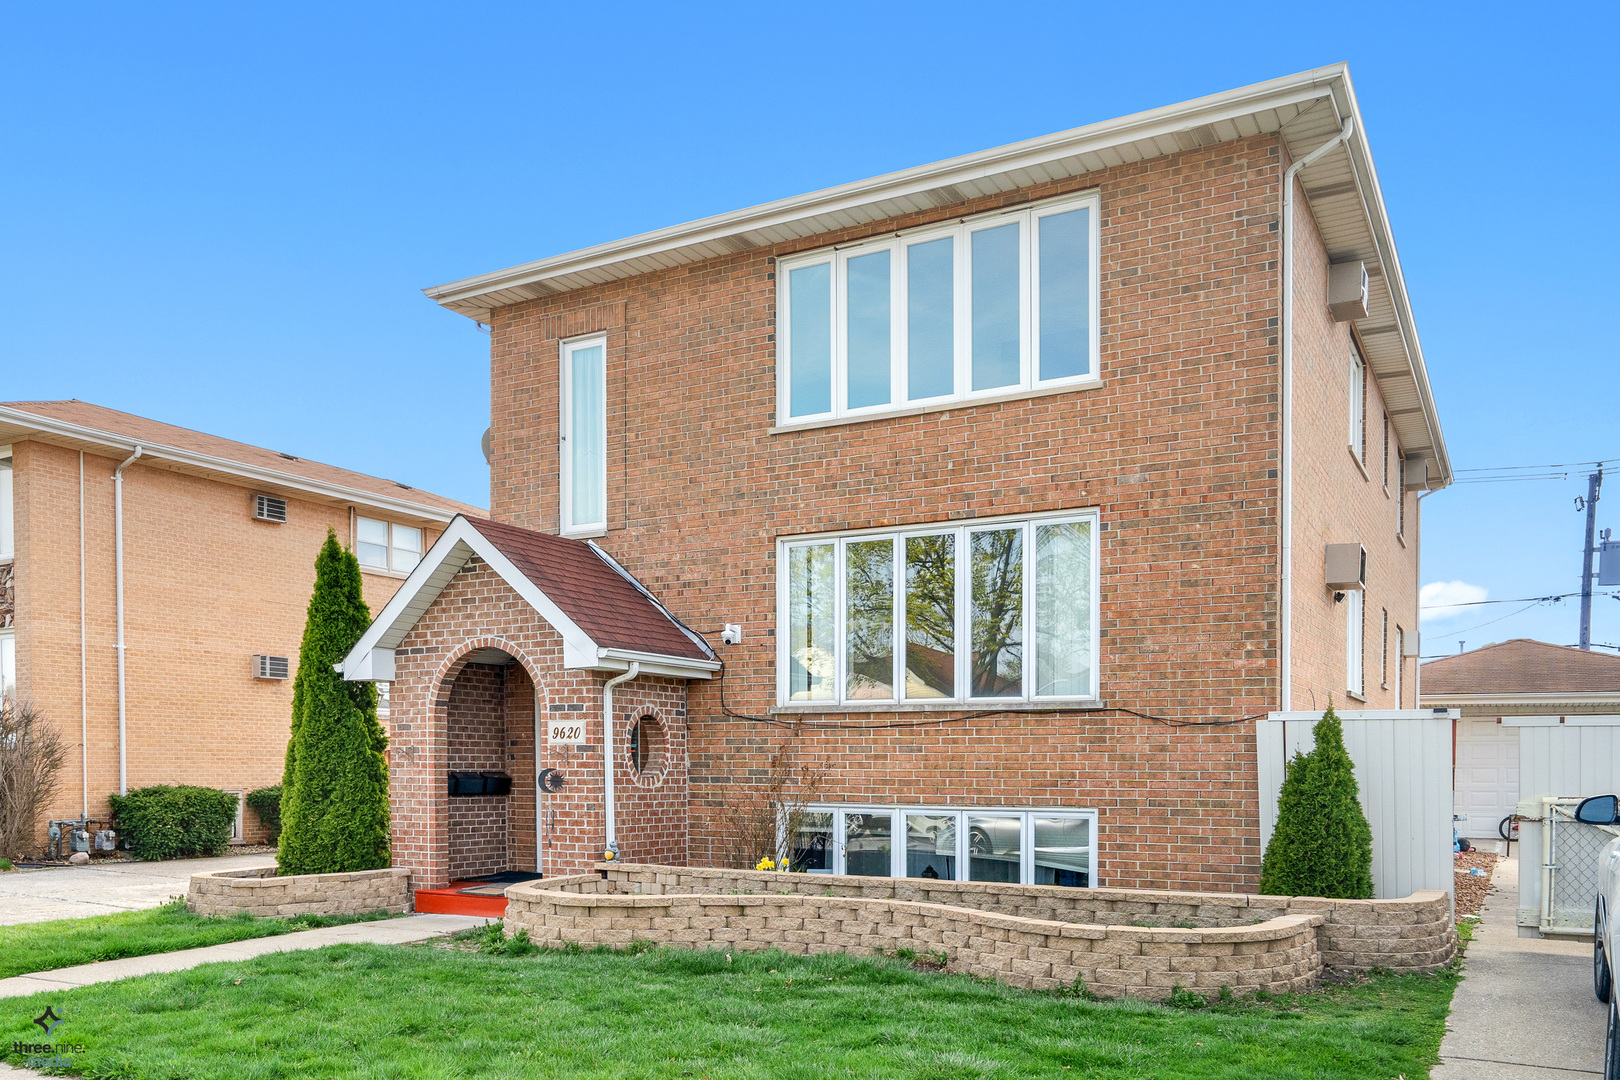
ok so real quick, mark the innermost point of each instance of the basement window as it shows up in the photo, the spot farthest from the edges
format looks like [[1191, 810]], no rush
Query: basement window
[[382, 545], [1016, 846], [982, 306]]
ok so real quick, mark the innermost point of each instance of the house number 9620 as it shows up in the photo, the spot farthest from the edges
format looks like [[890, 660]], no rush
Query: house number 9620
[[566, 733]]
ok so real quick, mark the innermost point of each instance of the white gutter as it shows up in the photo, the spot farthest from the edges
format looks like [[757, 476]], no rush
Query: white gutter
[[1285, 464], [255, 473], [84, 678], [118, 557], [608, 763]]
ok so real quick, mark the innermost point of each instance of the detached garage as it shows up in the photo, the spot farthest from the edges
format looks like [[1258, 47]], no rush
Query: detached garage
[[1538, 722]]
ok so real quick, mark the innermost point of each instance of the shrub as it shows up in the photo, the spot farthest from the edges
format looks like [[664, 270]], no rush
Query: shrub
[[175, 822], [334, 803], [1322, 845], [31, 759], [266, 803]]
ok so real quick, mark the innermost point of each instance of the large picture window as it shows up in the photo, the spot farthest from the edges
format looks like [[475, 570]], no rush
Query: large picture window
[[584, 436], [1030, 847], [984, 306], [990, 611]]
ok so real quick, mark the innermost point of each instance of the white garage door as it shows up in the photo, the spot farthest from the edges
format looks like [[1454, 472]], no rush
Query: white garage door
[[1487, 780]]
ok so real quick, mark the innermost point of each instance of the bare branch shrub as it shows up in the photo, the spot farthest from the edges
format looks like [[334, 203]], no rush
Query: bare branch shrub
[[31, 759], [764, 808]]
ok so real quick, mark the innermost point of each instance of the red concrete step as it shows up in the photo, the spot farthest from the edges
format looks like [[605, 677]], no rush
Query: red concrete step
[[455, 900]]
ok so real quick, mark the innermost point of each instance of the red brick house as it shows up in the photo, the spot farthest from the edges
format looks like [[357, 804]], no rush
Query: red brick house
[[985, 498]]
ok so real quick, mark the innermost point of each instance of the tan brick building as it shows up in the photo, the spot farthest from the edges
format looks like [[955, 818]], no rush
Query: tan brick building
[[1023, 478], [218, 555]]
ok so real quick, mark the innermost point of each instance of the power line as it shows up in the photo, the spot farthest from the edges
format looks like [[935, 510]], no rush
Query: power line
[[1524, 468]]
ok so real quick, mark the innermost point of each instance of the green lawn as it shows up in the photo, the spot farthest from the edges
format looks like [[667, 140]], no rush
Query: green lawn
[[380, 1011], [43, 946]]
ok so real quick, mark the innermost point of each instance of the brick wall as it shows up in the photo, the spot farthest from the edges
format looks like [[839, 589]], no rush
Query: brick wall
[[476, 737], [1176, 447], [478, 610], [1340, 501], [206, 587]]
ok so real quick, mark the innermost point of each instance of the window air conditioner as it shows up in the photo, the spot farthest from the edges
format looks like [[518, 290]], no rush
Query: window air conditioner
[[1346, 567], [269, 667], [269, 508]]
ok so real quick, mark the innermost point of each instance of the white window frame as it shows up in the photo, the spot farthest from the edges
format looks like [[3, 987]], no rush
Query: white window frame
[[1400, 663], [1358, 405], [962, 530], [898, 245], [392, 547], [8, 663], [897, 843], [8, 513], [565, 398], [1355, 627]]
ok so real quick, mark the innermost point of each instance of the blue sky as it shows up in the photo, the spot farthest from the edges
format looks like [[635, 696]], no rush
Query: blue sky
[[221, 216]]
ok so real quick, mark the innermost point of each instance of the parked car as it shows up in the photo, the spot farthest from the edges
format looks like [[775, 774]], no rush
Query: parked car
[[1605, 810]]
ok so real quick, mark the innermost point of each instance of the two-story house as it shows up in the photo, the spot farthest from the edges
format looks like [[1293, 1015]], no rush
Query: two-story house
[[153, 587], [974, 511]]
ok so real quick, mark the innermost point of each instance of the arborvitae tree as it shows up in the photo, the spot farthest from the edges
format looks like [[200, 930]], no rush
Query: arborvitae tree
[[1322, 845], [334, 793]]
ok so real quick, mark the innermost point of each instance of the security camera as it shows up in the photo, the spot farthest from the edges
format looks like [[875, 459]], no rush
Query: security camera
[[731, 634]]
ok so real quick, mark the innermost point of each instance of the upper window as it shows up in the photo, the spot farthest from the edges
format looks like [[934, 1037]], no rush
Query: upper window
[[986, 305], [1358, 405], [584, 436], [8, 538], [940, 613], [1400, 492], [385, 546]]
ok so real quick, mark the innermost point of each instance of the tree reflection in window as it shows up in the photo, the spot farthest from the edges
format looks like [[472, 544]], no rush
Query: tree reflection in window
[[869, 620], [998, 613], [931, 616]]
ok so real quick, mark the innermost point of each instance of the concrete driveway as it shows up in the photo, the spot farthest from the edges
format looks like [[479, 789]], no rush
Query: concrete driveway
[[1524, 1010], [100, 888]]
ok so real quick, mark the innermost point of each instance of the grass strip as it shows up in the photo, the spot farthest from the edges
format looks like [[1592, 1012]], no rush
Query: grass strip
[[368, 1011], [44, 946]]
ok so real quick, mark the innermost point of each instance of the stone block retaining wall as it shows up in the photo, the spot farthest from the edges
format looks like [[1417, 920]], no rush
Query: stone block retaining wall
[[1025, 935], [261, 892]]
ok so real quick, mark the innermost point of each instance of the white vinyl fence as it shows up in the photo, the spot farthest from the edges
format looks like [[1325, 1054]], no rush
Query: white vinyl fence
[[1562, 760], [1403, 767]]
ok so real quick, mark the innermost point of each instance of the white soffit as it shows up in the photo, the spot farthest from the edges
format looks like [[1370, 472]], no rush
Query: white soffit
[[1341, 192]]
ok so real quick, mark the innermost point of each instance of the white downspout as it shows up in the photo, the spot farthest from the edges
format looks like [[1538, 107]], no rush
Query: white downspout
[[118, 557], [539, 792], [1286, 454], [84, 678], [612, 851]]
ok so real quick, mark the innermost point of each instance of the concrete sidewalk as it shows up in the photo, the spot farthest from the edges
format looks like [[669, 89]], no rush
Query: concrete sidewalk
[[1524, 1009], [102, 887], [385, 932]]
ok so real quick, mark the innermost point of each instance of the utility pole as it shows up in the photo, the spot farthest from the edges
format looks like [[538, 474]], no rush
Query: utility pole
[[1594, 484]]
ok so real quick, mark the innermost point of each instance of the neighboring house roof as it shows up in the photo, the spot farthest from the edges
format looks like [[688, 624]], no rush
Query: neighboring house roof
[[606, 618], [81, 425], [1306, 109], [1520, 669]]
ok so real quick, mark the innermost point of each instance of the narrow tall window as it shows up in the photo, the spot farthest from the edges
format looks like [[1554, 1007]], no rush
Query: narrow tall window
[[1383, 652], [931, 318], [8, 665], [1354, 629], [1358, 405], [584, 435], [809, 339], [1400, 665], [1386, 453], [8, 537], [1400, 492]]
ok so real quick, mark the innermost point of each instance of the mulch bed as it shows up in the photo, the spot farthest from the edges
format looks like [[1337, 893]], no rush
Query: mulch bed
[[1472, 890]]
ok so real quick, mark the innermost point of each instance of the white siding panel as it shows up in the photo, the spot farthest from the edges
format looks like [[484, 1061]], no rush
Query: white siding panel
[[1403, 768]]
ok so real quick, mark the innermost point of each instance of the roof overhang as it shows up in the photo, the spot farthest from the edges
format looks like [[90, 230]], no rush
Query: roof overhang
[[15, 425], [372, 658], [1305, 110]]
